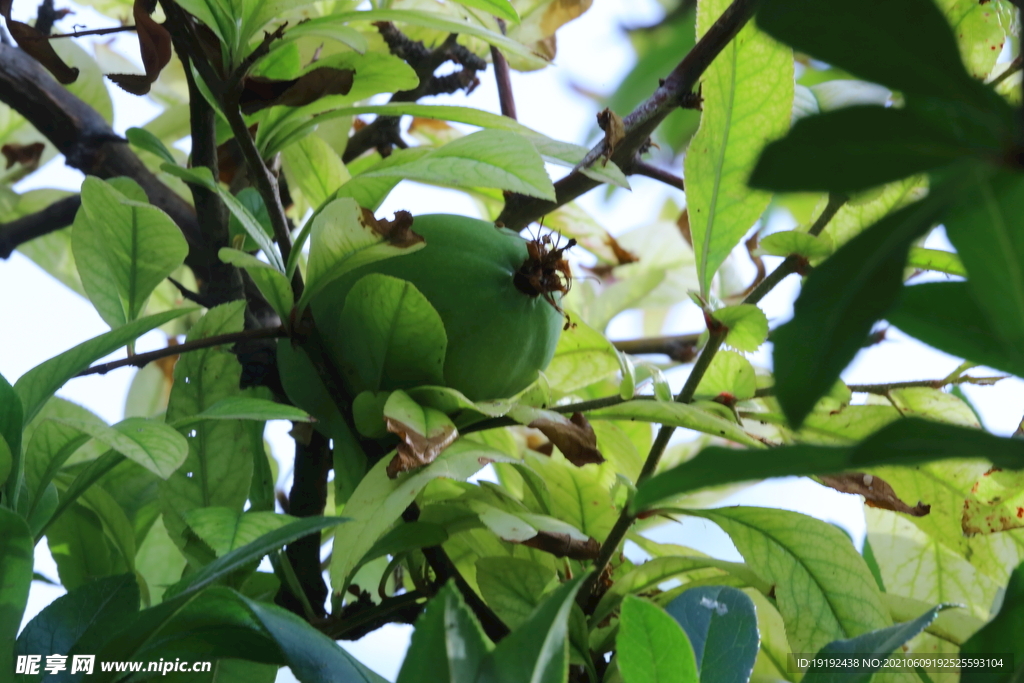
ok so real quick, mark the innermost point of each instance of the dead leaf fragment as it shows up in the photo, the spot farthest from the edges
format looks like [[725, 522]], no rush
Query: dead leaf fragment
[[26, 155], [259, 93], [37, 46], [564, 545], [397, 232], [417, 450], [575, 438], [155, 47], [876, 491], [614, 130]]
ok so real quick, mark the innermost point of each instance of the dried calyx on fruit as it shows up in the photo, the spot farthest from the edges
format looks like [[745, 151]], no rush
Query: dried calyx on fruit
[[497, 294]]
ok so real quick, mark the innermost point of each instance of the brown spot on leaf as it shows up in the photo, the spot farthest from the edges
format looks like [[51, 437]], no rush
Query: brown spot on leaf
[[575, 438], [683, 223], [26, 155], [877, 492], [417, 450]]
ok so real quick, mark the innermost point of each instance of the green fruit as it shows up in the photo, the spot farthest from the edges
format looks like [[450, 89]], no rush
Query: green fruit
[[497, 300]]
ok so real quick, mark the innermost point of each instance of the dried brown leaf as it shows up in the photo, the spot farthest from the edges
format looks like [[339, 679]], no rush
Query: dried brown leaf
[[876, 491], [259, 93], [38, 47], [575, 438], [26, 155], [564, 545], [614, 130], [416, 450], [155, 47]]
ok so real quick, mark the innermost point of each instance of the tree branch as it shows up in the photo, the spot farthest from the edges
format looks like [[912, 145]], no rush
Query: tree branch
[[680, 347], [884, 389], [93, 32], [503, 77], [58, 215], [86, 141], [651, 171], [384, 132], [141, 359], [520, 210]]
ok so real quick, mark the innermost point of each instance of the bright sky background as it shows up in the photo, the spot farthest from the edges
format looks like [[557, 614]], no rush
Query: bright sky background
[[43, 318]]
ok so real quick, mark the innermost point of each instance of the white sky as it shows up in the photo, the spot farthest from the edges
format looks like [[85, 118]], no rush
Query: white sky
[[43, 318]]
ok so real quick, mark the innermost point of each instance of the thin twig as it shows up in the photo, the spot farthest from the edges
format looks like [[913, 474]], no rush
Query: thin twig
[[503, 77], [793, 263], [885, 388], [651, 171], [679, 347], [1013, 68], [93, 32], [520, 210], [58, 215], [141, 359]]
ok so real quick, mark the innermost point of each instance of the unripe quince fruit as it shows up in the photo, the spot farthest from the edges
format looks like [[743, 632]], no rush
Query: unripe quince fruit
[[496, 293]]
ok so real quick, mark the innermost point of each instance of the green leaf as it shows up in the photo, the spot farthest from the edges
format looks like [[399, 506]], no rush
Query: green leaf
[[11, 424], [312, 656], [789, 242], [487, 158], [721, 624], [81, 621], [246, 408], [343, 237], [747, 100], [652, 646], [116, 527], [250, 198], [202, 176], [379, 501], [876, 145], [15, 578], [676, 415], [538, 651], [143, 139], [912, 50], [512, 587], [823, 588], [981, 31], [225, 530], [946, 315], [728, 372], [401, 334], [579, 496], [1001, 635], [252, 551], [907, 442], [448, 643], [51, 443], [986, 226], [879, 643], [661, 569], [839, 303], [935, 259], [271, 283], [123, 249], [39, 383], [499, 8], [748, 326], [154, 445], [218, 469], [314, 168], [583, 356], [80, 549]]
